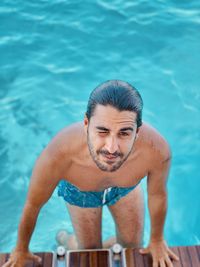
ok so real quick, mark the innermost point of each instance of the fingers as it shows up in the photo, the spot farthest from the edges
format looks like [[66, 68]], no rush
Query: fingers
[[172, 255], [162, 263], [19, 258], [164, 260], [10, 264], [168, 261], [13, 263], [7, 264], [155, 264], [144, 251], [35, 258]]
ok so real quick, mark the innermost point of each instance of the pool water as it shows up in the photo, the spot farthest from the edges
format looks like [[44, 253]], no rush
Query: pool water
[[53, 53]]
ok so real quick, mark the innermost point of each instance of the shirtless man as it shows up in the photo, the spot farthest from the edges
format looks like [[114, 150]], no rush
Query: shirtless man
[[101, 161]]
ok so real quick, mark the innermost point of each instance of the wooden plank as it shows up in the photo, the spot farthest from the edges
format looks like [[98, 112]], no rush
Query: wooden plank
[[184, 257], [147, 260], [139, 261], [84, 259], [73, 259], [47, 259], [129, 259], [193, 256], [134, 259], [198, 251], [90, 258], [188, 257]]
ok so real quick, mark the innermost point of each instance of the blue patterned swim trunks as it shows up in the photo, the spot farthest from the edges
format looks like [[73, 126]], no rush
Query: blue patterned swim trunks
[[91, 199]]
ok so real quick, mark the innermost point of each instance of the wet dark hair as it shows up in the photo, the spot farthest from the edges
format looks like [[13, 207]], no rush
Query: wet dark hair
[[119, 94]]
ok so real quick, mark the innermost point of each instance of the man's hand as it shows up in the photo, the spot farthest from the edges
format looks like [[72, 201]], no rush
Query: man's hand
[[160, 253], [19, 259]]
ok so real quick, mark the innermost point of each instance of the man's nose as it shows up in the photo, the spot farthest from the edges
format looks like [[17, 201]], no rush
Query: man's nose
[[111, 145]]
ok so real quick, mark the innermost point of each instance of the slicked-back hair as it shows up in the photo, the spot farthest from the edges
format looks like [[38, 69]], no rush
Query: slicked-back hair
[[118, 94]]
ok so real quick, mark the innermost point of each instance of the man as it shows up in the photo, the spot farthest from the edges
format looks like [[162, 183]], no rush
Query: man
[[101, 162]]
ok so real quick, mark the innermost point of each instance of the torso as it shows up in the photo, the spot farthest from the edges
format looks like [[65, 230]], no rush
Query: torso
[[77, 166]]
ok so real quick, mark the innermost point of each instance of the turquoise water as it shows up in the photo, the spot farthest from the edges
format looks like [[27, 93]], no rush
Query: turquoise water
[[53, 53]]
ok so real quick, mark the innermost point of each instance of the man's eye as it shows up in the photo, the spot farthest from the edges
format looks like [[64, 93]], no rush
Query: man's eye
[[102, 132], [123, 134]]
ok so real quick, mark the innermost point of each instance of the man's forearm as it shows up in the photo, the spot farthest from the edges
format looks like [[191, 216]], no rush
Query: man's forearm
[[26, 227], [157, 209]]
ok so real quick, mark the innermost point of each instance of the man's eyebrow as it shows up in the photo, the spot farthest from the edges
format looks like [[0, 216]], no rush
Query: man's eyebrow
[[102, 128], [126, 129], [121, 130]]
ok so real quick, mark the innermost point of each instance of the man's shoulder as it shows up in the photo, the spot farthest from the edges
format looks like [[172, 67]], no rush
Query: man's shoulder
[[155, 141], [66, 142]]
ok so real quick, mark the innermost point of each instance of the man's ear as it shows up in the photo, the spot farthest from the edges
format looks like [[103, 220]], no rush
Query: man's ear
[[137, 131], [86, 123]]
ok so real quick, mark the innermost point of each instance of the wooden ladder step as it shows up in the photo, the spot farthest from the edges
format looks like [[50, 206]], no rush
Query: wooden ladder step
[[189, 257], [47, 259], [89, 258]]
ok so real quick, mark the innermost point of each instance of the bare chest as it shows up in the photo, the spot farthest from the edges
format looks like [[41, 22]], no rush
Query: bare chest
[[90, 178]]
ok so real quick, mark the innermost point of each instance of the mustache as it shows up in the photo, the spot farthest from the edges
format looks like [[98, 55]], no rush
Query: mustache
[[106, 153]]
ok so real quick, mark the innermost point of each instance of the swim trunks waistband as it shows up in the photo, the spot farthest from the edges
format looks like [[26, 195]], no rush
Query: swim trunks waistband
[[91, 199]]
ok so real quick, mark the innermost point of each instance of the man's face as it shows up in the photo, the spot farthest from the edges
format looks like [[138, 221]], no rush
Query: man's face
[[110, 136]]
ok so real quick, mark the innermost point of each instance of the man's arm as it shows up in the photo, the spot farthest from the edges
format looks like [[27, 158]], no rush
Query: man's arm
[[44, 179], [157, 198], [43, 182], [157, 203]]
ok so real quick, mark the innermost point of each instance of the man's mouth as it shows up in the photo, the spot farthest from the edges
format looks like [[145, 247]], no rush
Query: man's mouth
[[110, 157]]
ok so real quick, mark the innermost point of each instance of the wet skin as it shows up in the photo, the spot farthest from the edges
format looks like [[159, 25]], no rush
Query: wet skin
[[107, 151]]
